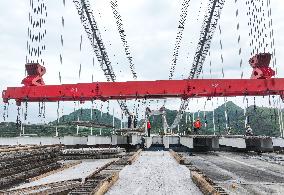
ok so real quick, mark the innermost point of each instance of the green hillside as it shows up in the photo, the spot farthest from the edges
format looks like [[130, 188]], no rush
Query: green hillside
[[264, 121], [10, 129]]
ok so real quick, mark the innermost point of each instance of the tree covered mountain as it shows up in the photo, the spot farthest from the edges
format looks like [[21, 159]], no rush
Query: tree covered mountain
[[264, 121]]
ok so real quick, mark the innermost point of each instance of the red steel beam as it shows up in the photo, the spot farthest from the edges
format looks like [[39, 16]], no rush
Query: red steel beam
[[146, 89]]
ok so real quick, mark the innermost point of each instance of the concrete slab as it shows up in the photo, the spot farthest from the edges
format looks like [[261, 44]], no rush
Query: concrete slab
[[10, 141], [201, 142], [74, 140], [278, 142], [186, 141], [136, 139], [157, 140], [81, 170], [233, 142], [259, 144], [166, 141], [204, 144], [215, 143], [148, 142], [98, 140], [174, 140], [118, 139]]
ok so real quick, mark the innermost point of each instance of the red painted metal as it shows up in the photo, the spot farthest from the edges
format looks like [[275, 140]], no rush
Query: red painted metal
[[146, 89], [260, 65], [35, 72]]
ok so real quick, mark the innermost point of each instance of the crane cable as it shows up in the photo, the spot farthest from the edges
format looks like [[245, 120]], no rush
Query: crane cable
[[208, 28], [281, 127], [121, 30], [90, 25], [239, 38], [36, 31], [179, 36], [61, 43], [223, 76]]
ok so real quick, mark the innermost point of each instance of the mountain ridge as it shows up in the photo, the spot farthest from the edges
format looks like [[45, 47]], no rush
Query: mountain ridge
[[263, 120]]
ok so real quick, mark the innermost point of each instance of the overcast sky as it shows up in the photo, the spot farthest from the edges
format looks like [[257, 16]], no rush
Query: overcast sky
[[151, 28]]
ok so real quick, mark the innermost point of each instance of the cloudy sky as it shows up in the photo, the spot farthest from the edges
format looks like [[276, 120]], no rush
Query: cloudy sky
[[151, 28]]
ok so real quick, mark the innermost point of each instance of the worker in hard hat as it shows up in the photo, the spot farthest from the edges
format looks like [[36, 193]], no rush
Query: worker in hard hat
[[249, 131], [148, 128], [130, 121], [197, 126]]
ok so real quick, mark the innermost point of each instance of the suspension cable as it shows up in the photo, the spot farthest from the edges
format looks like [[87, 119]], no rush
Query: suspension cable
[[281, 117], [122, 34], [92, 107], [181, 25], [226, 114], [36, 31], [239, 38], [90, 25], [208, 28], [213, 118], [258, 26], [271, 34], [61, 43], [57, 119]]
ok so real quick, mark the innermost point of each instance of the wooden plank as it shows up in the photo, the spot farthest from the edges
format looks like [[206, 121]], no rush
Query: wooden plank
[[105, 184], [134, 157], [177, 157], [100, 169], [203, 184]]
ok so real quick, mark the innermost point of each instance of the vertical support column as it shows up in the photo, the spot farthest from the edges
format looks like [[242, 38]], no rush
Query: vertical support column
[[166, 142]]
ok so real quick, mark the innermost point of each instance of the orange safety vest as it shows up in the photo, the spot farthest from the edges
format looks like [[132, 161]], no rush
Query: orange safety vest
[[197, 124]]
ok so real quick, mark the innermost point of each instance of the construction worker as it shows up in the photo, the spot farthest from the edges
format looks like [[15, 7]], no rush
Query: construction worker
[[249, 131], [129, 121], [148, 128], [197, 126], [135, 121]]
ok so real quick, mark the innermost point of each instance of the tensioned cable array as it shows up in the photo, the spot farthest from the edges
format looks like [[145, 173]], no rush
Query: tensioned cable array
[[36, 31], [181, 24], [122, 34], [208, 28], [89, 23], [239, 38]]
